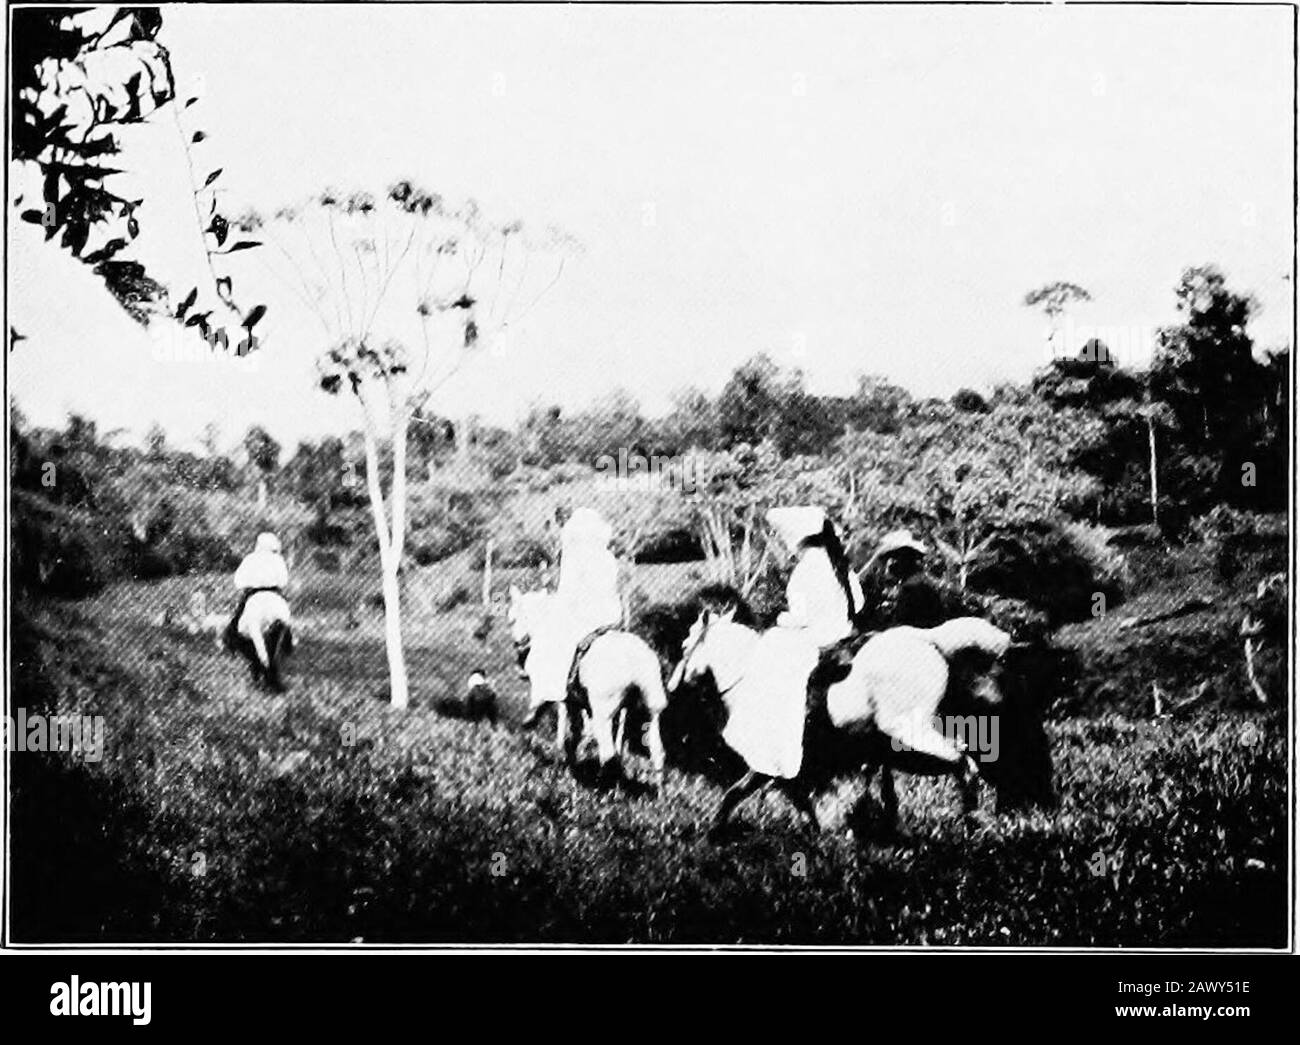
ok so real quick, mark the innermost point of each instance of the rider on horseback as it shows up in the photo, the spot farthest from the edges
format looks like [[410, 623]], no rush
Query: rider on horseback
[[825, 604], [262, 570], [899, 590], [823, 594], [588, 601]]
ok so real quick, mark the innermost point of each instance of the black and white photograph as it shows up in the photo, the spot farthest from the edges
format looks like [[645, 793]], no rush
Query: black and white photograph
[[630, 477]]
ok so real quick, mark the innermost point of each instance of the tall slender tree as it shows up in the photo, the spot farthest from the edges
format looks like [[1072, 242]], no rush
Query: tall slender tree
[[404, 288], [1055, 299]]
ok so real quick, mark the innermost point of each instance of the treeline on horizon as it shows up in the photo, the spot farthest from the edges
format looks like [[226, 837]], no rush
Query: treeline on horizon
[[1204, 427]]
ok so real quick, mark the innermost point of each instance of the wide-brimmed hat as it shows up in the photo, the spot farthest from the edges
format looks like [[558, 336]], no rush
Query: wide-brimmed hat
[[898, 541], [267, 542], [796, 523]]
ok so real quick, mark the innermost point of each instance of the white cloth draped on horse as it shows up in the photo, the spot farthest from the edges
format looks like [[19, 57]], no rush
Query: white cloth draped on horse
[[766, 708]]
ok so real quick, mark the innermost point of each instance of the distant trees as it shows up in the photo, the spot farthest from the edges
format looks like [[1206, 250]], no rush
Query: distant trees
[[264, 455], [1201, 426], [727, 511], [1054, 299], [969, 401], [86, 511], [155, 442], [964, 477], [762, 402], [1205, 370], [691, 422], [612, 423]]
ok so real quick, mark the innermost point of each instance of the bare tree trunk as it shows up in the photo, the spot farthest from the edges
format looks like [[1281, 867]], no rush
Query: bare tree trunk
[[261, 493], [398, 686], [1155, 493], [389, 557], [487, 574]]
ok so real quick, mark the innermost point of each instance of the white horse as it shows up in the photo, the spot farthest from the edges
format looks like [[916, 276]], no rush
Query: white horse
[[264, 635], [619, 671], [883, 711]]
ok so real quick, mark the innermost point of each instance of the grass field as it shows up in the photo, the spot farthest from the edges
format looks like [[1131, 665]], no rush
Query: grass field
[[220, 813]]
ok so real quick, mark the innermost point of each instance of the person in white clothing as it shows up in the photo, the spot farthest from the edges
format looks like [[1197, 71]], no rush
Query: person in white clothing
[[588, 588], [262, 570], [586, 599], [264, 566], [823, 596]]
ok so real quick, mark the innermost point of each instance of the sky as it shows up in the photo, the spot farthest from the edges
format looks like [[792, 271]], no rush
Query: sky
[[849, 189]]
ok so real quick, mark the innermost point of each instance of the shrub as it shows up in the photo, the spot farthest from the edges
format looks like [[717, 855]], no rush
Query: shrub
[[59, 550], [1021, 621], [1235, 538], [1055, 569]]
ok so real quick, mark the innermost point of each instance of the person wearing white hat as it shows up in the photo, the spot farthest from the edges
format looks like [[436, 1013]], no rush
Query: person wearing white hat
[[587, 599], [823, 595]]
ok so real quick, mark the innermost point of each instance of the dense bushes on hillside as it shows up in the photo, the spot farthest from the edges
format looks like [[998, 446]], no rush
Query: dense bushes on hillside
[[1007, 491]]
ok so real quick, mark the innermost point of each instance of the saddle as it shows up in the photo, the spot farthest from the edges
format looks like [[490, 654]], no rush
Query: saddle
[[574, 691]]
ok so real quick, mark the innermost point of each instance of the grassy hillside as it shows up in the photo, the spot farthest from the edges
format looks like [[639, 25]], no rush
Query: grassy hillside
[[1120, 655], [221, 813]]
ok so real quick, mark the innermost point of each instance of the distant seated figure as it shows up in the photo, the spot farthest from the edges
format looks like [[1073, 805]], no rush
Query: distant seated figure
[[480, 698]]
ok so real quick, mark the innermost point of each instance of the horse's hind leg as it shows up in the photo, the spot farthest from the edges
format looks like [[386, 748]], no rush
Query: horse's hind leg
[[602, 727], [568, 732], [967, 775], [563, 728], [259, 648], [798, 793], [889, 798], [281, 641], [655, 743], [620, 728], [736, 793]]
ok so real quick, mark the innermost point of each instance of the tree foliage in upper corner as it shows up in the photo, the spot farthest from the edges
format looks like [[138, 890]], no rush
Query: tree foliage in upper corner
[[79, 76]]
